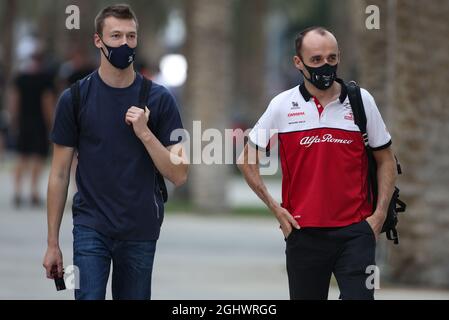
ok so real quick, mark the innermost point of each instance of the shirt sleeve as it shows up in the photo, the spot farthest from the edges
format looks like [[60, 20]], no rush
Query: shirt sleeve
[[378, 136], [264, 129], [169, 121], [64, 131]]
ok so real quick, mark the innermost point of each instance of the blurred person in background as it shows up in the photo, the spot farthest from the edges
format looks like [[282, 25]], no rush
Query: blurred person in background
[[3, 126], [2, 135], [31, 110], [329, 224], [77, 67], [147, 71], [119, 207]]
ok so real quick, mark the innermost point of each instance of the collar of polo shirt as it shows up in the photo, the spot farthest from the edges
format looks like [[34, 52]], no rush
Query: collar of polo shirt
[[307, 96]]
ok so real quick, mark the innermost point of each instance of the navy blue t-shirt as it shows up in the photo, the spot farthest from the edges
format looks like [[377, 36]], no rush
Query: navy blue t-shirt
[[117, 185]]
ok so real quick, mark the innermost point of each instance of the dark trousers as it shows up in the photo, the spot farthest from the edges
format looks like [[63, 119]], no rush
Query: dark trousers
[[313, 254]]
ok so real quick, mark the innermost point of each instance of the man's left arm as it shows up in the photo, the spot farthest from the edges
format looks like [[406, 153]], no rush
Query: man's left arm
[[386, 177], [170, 161]]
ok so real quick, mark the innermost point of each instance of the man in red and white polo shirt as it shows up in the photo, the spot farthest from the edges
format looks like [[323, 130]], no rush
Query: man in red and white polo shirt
[[327, 220]]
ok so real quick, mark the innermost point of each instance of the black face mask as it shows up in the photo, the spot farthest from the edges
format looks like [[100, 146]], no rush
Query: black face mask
[[322, 77], [120, 57]]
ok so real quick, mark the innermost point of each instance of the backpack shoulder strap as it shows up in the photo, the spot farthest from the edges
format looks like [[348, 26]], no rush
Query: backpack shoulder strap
[[145, 89], [76, 103], [355, 98], [78, 97]]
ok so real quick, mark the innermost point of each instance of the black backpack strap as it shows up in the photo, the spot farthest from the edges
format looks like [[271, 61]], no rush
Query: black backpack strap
[[398, 165], [76, 103], [400, 205], [392, 234], [355, 99], [145, 90]]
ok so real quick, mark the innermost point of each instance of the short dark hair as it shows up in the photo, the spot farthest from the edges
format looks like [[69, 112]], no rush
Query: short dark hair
[[119, 11], [299, 39]]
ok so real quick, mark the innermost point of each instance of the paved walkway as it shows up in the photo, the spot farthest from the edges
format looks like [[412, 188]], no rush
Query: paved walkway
[[198, 257]]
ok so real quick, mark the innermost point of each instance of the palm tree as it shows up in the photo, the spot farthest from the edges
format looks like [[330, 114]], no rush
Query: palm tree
[[208, 89], [250, 58], [406, 61]]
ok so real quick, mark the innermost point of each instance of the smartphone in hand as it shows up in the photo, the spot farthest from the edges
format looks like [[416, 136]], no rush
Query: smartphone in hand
[[59, 282]]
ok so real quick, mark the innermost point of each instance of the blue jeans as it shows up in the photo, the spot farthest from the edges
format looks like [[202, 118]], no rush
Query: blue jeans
[[132, 266]]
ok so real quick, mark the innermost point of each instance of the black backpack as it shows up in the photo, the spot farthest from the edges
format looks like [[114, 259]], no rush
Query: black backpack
[[396, 205], [143, 98]]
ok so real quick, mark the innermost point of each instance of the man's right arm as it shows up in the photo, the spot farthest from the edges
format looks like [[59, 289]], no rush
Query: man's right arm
[[58, 184], [248, 163]]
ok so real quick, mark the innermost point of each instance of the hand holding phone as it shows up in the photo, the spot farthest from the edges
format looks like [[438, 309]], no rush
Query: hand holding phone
[[59, 281]]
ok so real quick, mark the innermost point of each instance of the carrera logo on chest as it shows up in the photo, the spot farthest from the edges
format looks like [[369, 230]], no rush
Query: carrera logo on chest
[[296, 114]]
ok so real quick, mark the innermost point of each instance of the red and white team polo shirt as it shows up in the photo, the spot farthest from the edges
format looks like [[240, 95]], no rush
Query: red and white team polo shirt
[[324, 165]]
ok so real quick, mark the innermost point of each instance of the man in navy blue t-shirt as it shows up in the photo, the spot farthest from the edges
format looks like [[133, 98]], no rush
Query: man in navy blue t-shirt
[[118, 209]]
